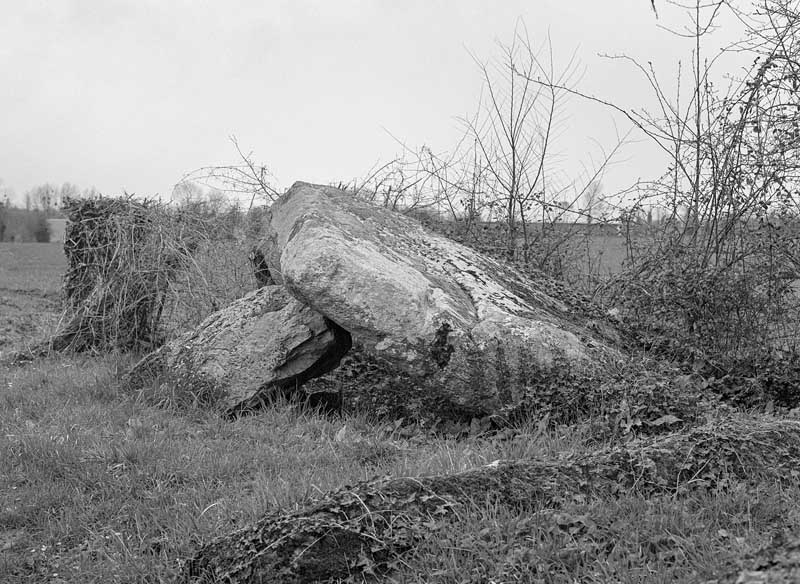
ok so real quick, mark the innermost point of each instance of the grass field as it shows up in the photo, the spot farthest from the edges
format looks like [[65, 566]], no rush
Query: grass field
[[97, 485], [30, 283], [32, 267]]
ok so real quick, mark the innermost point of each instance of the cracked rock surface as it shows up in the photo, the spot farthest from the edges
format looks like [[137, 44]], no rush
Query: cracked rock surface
[[473, 330], [262, 341]]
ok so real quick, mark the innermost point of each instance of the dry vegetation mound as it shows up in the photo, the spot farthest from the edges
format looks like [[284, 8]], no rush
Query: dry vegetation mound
[[122, 258], [140, 272]]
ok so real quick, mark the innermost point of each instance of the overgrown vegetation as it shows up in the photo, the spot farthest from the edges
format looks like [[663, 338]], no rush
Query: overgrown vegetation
[[716, 280], [709, 271], [97, 485], [678, 468], [120, 266], [140, 272]]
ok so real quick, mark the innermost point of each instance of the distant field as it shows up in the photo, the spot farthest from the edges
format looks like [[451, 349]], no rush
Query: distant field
[[32, 266], [30, 281], [602, 255]]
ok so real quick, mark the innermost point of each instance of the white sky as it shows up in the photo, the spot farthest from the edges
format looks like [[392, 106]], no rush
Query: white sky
[[133, 94]]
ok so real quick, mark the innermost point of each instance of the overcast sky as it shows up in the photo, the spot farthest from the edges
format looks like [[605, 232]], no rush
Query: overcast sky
[[132, 94]]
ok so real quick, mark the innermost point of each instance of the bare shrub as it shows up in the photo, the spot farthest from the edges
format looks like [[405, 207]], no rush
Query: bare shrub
[[720, 272], [713, 278], [499, 189]]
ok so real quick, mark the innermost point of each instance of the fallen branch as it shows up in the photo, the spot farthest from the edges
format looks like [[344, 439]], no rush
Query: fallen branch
[[364, 529]]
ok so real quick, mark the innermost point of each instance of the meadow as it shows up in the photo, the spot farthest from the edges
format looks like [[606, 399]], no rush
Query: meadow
[[99, 484], [30, 284]]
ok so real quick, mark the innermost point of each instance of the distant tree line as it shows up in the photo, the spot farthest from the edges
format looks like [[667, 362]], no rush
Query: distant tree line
[[21, 225], [28, 222]]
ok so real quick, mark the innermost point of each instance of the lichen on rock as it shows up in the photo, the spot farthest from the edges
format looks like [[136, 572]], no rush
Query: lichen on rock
[[397, 287]]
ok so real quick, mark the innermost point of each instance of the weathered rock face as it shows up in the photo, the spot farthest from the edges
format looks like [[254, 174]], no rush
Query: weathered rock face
[[464, 330], [264, 341]]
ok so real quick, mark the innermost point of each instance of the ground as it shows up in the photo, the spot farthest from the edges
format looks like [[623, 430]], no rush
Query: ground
[[30, 284], [103, 483]]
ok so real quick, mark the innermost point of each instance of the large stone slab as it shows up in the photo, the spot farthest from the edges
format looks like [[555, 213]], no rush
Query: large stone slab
[[264, 341], [470, 330]]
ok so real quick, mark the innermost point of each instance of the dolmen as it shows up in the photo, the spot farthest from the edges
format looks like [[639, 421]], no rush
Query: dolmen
[[374, 307]]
